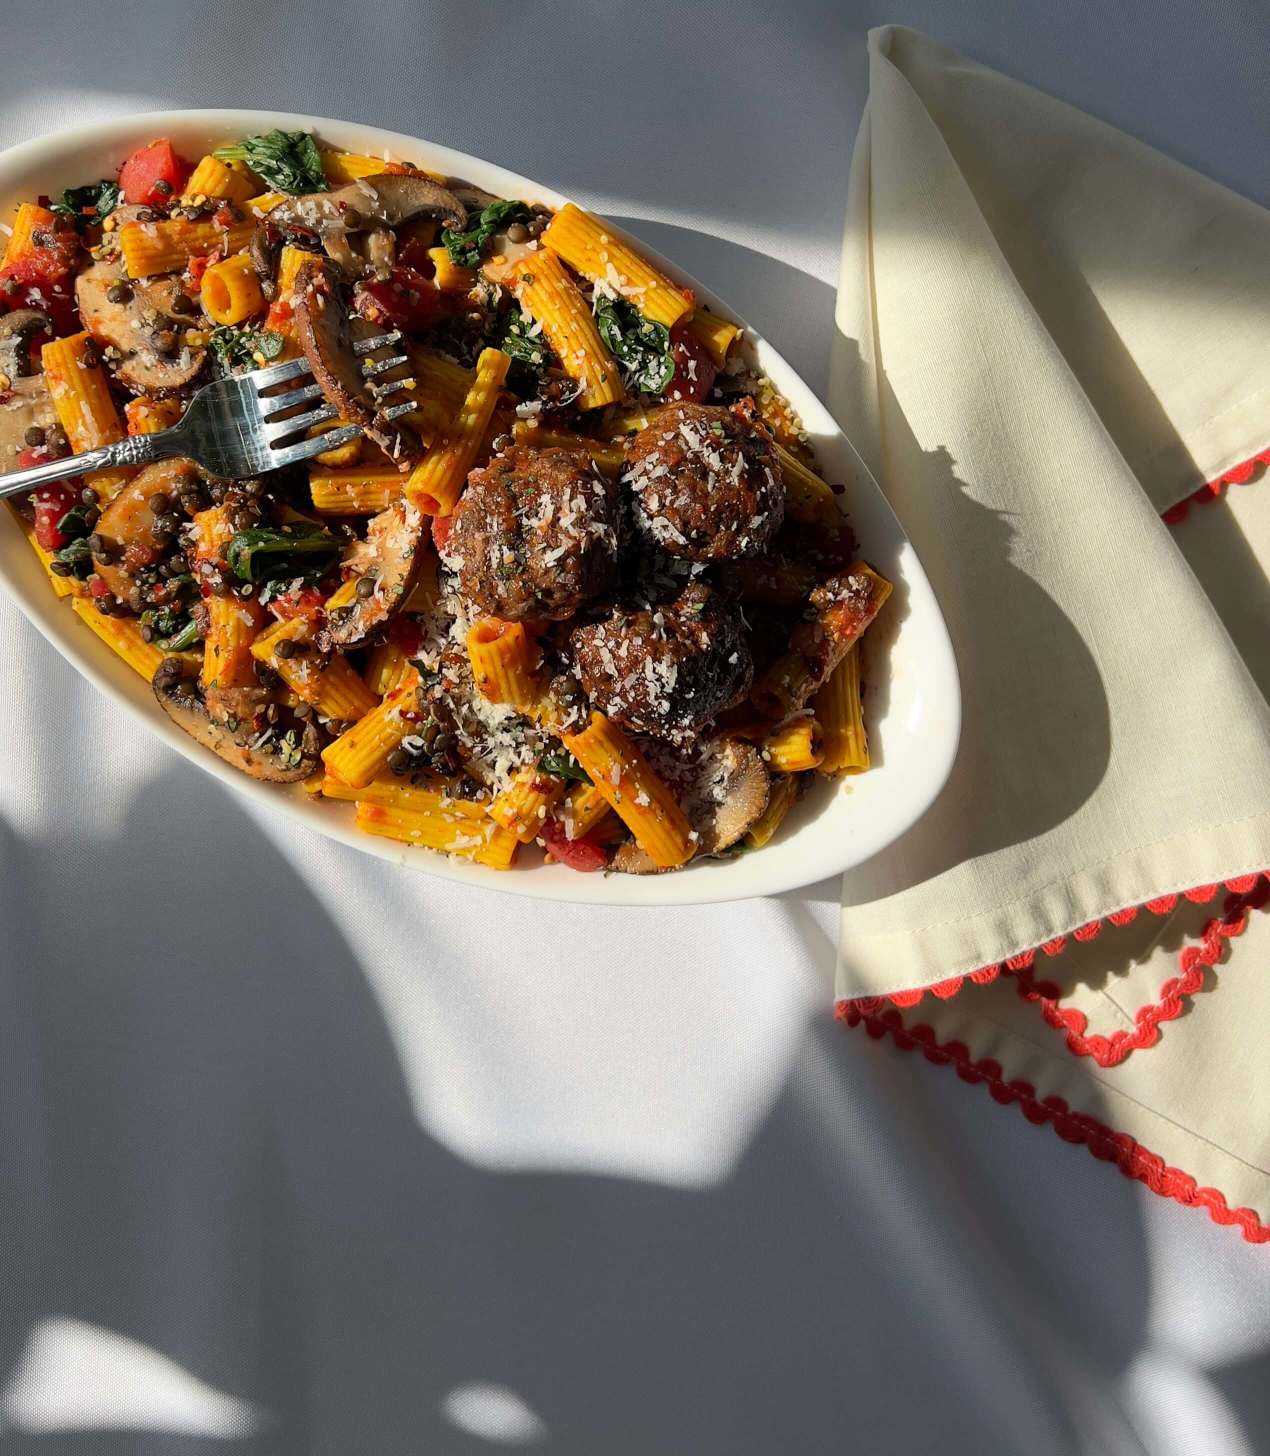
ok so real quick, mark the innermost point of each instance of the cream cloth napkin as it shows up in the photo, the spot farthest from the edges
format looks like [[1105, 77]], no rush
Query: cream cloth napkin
[[1049, 335]]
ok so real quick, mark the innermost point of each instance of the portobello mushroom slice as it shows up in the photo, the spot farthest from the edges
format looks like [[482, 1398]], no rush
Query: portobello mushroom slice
[[324, 327], [389, 560], [279, 758], [384, 200], [128, 529], [17, 330], [146, 326], [24, 405], [726, 797]]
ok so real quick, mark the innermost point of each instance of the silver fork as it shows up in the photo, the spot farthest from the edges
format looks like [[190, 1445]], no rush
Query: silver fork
[[233, 428]]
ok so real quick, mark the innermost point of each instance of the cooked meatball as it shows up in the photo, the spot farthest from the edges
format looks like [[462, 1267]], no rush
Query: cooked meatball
[[535, 534], [706, 481], [665, 670]]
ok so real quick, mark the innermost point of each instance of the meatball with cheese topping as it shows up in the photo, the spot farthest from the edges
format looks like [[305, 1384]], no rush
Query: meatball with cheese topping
[[706, 482], [665, 670], [535, 534]]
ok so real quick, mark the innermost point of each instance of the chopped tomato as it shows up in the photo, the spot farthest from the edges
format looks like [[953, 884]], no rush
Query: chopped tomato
[[40, 278], [195, 268], [584, 854], [412, 253], [405, 634], [694, 368], [97, 587], [441, 528], [51, 503], [404, 300], [305, 601], [153, 175]]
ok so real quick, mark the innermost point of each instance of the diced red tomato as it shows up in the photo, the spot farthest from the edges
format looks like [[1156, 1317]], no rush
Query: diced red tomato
[[405, 300], [51, 503], [153, 175], [305, 601], [413, 253], [41, 278], [405, 634], [694, 368], [195, 269], [97, 587], [441, 528], [584, 854]]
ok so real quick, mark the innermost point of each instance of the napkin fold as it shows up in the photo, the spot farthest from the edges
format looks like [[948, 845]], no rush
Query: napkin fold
[[1052, 350]]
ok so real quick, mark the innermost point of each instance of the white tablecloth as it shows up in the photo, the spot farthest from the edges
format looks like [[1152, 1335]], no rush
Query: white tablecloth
[[301, 1154]]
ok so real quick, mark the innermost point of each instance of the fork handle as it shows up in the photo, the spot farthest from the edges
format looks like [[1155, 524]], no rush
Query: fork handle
[[135, 450]]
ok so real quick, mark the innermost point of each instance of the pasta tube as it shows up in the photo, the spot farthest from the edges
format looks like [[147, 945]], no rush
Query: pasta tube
[[794, 746], [167, 245], [231, 291], [522, 808], [149, 416], [440, 387], [607, 454], [841, 716], [386, 667], [504, 660], [214, 178], [331, 685], [440, 827], [122, 635], [634, 791], [81, 396], [449, 276], [781, 799], [344, 167], [232, 626], [29, 220], [717, 334], [584, 242], [360, 754], [437, 481], [548, 295], [807, 498], [363, 492], [583, 809]]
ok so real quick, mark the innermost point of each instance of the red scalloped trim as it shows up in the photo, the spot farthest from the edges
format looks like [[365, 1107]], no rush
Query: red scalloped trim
[[1239, 474], [1023, 964], [1248, 894], [1133, 1160]]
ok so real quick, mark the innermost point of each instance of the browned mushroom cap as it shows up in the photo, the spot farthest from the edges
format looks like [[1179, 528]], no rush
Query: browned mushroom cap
[[26, 405], [279, 758], [127, 527], [724, 801], [146, 323], [323, 325], [17, 329], [387, 200], [387, 564]]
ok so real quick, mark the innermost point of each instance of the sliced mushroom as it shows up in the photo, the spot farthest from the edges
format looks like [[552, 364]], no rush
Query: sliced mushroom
[[726, 798], [145, 323], [24, 405], [324, 328], [128, 529], [388, 560], [386, 199], [268, 756], [17, 330], [263, 250]]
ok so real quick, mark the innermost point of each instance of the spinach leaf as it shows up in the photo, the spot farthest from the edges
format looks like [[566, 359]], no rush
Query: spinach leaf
[[77, 557], [531, 350], [466, 249], [640, 345], [89, 204], [278, 555], [236, 348], [563, 765], [285, 161]]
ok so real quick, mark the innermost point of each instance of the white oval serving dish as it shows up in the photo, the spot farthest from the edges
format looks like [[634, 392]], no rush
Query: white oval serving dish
[[912, 698]]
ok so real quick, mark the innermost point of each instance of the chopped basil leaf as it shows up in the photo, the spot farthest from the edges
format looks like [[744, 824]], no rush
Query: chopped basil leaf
[[77, 556], [285, 161], [278, 556], [640, 345], [466, 249], [86, 205], [75, 522]]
